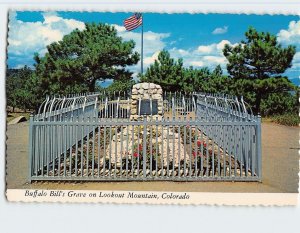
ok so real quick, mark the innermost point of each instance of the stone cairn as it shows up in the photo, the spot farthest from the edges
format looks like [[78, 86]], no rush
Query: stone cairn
[[118, 150], [146, 91]]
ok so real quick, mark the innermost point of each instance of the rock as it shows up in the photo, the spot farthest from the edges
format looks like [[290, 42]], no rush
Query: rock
[[152, 85], [156, 96], [150, 91], [137, 86], [145, 86], [159, 140], [146, 96], [133, 111], [134, 91], [159, 91], [114, 138], [17, 120]]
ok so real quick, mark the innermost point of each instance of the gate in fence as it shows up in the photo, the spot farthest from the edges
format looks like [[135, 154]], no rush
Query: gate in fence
[[145, 135]]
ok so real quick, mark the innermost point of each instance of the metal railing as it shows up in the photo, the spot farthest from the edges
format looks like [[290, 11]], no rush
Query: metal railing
[[200, 137]]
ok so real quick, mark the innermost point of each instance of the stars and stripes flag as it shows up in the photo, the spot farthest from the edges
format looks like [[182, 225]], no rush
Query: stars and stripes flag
[[133, 22]]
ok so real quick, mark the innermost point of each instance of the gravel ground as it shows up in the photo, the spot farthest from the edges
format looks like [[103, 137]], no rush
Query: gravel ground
[[280, 166]]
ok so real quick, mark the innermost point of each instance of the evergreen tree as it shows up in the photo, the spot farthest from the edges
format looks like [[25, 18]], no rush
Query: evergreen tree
[[18, 95], [256, 65], [166, 72], [83, 57]]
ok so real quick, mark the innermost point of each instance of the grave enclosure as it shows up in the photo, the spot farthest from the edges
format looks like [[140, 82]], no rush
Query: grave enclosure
[[147, 134]]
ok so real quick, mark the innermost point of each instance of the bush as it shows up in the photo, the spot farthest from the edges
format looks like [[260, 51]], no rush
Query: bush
[[279, 104], [290, 119]]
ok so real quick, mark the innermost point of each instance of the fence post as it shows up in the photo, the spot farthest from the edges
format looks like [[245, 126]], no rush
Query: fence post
[[31, 149], [144, 147], [258, 147]]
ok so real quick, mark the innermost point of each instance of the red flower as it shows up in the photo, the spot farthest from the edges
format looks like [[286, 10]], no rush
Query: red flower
[[135, 154], [199, 143], [197, 154], [140, 147], [194, 154]]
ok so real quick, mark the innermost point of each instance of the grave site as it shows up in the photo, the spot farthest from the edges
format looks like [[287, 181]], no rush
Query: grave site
[[147, 134]]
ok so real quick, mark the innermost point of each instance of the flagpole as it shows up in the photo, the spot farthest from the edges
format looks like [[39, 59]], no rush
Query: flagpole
[[142, 45]]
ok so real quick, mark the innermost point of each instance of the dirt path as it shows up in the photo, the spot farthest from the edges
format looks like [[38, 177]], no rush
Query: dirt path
[[280, 166]]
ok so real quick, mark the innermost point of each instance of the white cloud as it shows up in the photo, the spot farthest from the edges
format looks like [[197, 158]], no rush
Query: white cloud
[[197, 63], [153, 43], [291, 35], [215, 59], [119, 28], [50, 17], [222, 30], [26, 38], [151, 59], [205, 49], [296, 61], [213, 48], [204, 55]]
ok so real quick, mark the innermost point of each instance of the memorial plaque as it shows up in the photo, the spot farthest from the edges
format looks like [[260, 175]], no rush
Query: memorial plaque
[[146, 107]]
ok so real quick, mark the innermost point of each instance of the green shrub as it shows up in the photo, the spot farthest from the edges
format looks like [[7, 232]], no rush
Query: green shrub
[[290, 119], [279, 104]]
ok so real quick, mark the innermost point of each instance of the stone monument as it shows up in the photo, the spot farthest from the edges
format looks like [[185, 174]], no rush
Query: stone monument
[[146, 101]]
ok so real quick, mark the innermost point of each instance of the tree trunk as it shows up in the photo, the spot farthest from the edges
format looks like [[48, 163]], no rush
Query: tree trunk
[[257, 104], [92, 85]]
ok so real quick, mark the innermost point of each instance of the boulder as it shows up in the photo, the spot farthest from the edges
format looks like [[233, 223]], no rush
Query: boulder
[[17, 120]]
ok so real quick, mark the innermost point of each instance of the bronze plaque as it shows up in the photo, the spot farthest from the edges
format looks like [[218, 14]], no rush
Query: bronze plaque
[[146, 107]]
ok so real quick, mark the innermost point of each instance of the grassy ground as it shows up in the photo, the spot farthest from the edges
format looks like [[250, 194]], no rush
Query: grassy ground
[[289, 119]]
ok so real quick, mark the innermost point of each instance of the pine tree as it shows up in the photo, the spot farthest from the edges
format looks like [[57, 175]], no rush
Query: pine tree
[[81, 58], [256, 65]]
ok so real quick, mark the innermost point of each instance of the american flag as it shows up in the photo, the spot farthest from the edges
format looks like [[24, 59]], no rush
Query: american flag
[[133, 21]]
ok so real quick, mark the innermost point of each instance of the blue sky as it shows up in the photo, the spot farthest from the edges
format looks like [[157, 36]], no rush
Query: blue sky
[[197, 38]]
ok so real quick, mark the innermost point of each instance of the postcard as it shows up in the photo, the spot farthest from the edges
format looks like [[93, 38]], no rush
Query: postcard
[[149, 107]]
